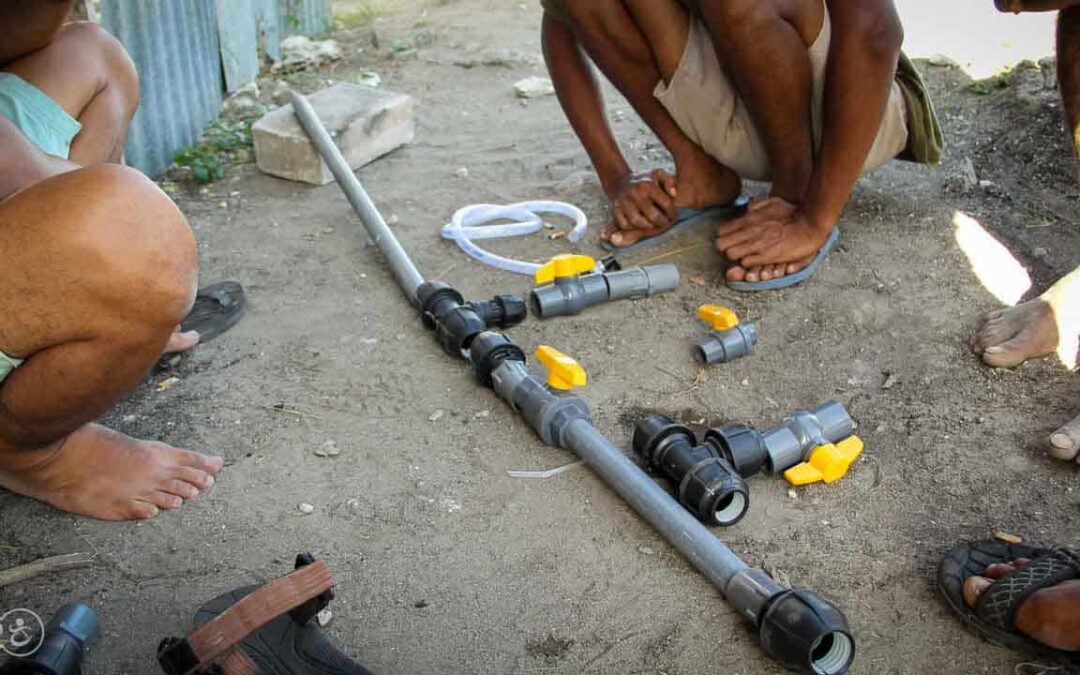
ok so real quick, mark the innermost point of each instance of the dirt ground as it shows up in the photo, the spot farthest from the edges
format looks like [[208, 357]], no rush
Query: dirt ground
[[446, 564]]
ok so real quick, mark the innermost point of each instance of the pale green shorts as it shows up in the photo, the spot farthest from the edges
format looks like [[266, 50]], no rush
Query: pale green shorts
[[7, 364], [39, 118]]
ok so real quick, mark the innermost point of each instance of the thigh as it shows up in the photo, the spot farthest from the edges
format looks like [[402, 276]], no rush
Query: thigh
[[666, 26]]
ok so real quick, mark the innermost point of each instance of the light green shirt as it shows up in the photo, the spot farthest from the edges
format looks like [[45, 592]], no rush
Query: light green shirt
[[7, 364]]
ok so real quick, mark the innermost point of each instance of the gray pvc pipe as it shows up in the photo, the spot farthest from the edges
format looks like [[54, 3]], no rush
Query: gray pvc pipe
[[700, 546], [406, 274]]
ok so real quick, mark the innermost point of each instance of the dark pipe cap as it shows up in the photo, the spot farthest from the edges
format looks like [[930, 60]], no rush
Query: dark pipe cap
[[742, 446], [807, 634]]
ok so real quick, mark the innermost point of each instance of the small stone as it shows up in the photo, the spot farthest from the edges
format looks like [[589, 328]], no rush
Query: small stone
[[324, 617], [1008, 538], [369, 78], [697, 281], [825, 523], [483, 415], [224, 205], [791, 493], [962, 179], [645, 550], [557, 235], [1040, 252], [353, 504], [420, 604], [461, 172], [534, 87], [548, 226], [436, 416], [392, 220], [305, 509], [890, 381], [746, 383], [167, 383], [328, 449]]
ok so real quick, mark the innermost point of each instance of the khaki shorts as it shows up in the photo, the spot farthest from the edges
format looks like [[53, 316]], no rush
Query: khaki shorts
[[706, 106]]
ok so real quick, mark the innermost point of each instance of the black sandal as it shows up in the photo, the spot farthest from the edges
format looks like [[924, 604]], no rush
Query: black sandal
[[993, 617], [217, 308]]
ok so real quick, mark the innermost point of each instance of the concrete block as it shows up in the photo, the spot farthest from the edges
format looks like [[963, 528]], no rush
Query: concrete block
[[365, 123]]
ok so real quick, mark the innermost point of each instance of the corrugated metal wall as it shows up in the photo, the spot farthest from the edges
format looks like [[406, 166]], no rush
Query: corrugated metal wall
[[174, 44], [306, 17], [177, 49]]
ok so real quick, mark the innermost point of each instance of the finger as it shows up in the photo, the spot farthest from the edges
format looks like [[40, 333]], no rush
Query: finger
[[667, 182], [620, 217], [726, 242], [637, 220], [647, 205], [752, 253], [760, 204], [608, 232], [665, 202]]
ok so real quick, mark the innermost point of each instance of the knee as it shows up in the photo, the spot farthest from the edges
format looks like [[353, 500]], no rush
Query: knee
[[136, 245], [87, 43], [589, 13]]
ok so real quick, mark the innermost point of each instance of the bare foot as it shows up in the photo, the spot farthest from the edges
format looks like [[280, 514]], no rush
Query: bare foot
[[1050, 616], [181, 342], [704, 182], [1008, 337], [766, 272], [104, 474], [1065, 442]]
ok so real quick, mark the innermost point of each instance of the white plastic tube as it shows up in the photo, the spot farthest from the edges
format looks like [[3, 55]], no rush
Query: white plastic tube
[[473, 223]]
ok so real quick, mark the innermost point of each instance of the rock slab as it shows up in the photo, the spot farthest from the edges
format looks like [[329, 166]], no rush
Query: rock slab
[[365, 124]]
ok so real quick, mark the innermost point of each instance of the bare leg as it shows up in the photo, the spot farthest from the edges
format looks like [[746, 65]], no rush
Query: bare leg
[[99, 267], [1068, 65], [87, 71], [763, 45]]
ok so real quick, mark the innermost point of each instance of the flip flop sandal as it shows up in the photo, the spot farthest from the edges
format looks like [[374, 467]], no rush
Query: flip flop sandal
[[790, 279], [685, 219], [265, 630], [217, 308], [993, 617]]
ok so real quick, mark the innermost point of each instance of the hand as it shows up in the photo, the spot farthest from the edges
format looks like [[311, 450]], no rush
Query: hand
[[642, 205], [774, 238]]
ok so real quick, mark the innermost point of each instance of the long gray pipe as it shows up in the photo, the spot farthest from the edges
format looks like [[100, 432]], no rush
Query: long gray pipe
[[408, 277]]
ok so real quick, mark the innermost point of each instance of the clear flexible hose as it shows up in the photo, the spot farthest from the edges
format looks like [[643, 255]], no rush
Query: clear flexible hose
[[474, 223]]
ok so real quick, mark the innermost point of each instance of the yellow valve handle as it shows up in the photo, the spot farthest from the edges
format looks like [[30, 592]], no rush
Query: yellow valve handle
[[564, 373], [720, 318], [563, 267], [828, 463]]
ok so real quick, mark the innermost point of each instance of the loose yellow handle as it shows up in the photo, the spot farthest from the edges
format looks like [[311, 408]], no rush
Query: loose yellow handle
[[564, 266], [564, 373], [827, 463], [719, 317]]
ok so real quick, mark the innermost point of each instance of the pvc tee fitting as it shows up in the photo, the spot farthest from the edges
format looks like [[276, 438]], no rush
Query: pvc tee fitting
[[457, 322], [786, 445], [569, 293], [708, 486]]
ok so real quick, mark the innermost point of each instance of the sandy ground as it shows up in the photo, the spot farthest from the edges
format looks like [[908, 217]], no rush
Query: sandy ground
[[446, 564]]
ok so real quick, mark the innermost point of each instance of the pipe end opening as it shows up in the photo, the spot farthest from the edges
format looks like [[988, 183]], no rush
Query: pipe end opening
[[833, 654], [730, 508]]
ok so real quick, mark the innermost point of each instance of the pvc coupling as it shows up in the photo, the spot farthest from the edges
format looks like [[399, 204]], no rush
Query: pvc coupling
[[708, 486], [570, 285], [730, 340], [60, 651], [796, 627], [807, 447], [457, 322]]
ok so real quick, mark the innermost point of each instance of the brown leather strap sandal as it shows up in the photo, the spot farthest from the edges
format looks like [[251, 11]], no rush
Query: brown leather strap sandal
[[265, 630]]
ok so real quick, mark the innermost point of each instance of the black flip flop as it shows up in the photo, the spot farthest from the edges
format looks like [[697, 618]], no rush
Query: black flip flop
[[285, 646], [994, 613], [217, 308]]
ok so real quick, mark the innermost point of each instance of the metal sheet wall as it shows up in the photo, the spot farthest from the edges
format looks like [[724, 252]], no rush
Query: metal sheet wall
[[174, 44], [177, 50]]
